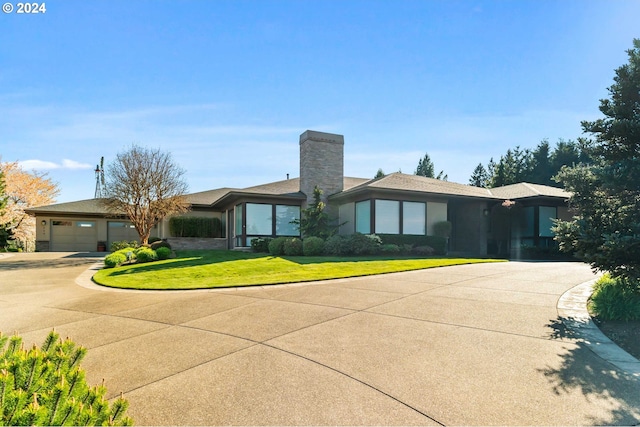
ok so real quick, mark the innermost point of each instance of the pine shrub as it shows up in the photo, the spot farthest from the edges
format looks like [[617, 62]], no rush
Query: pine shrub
[[46, 386]]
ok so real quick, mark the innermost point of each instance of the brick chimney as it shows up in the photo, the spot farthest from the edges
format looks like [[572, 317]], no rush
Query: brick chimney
[[321, 163]]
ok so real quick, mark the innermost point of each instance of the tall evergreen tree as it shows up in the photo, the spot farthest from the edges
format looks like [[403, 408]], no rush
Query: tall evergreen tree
[[541, 169], [606, 194], [479, 177], [379, 174], [425, 167]]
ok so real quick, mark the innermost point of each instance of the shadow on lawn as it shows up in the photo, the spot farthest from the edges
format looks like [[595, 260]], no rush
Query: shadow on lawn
[[582, 370]]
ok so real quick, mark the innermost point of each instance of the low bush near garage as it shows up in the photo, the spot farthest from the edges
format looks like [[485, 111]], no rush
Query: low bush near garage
[[115, 259], [120, 257], [163, 253], [46, 386], [123, 244], [145, 254]]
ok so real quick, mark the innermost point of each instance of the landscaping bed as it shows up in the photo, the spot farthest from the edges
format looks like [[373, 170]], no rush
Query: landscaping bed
[[625, 334], [218, 268]]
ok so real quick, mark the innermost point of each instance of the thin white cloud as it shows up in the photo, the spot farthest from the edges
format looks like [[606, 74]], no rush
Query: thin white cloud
[[35, 164]]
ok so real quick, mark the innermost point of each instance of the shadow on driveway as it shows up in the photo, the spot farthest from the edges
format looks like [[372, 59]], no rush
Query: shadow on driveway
[[581, 370], [34, 261]]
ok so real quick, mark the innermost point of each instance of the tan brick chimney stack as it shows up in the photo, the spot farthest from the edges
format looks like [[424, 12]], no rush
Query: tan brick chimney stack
[[321, 163]]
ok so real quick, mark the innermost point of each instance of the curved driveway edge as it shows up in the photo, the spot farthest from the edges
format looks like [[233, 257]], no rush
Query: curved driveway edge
[[572, 308]]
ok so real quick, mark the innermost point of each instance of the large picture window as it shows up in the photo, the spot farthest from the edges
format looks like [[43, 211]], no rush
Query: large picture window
[[259, 219], [413, 218], [387, 217], [284, 216], [363, 217], [547, 215]]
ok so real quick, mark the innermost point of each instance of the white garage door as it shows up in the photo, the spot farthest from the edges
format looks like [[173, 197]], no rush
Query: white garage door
[[73, 236], [120, 230]]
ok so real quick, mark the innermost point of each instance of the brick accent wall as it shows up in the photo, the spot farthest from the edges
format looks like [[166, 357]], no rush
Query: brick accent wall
[[321, 163], [196, 243]]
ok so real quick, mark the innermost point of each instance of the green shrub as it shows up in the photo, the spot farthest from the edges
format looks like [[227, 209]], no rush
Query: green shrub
[[46, 386], [276, 246], [439, 244], [390, 249], [163, 253], [260, 244], [159, 244], [115, 259], [423, 250], [615, 299], [195, 226], [312, 246], [337, 245], [364, 244], [292, 246], [123, 244], [442, 229], [154, 239], [145, 254]]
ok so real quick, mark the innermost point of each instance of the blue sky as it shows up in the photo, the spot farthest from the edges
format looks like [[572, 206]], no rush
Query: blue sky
[[228, 86]]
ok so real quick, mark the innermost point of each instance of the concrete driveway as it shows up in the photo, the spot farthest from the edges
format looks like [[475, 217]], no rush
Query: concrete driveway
[[477, 344]]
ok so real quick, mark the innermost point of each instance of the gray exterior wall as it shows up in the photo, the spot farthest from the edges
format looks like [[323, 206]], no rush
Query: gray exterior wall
[[321, 163], [470, 225]]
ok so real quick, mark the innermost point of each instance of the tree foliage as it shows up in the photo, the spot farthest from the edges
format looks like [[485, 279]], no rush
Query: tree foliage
[[479, 177], [147, 186], [23, 190], [379, 174], [426, 168], [46, 386], [606, 194], [537, 166], [314, 220]]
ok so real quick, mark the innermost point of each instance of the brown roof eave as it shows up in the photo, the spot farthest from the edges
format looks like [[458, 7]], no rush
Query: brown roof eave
[[364, 190], [235, 195]]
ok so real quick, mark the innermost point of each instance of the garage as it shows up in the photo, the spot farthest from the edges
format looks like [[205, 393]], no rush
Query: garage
[[120, 230], [73, 236]]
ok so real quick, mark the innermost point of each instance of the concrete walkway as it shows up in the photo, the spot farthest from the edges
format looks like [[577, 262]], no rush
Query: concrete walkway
[[475, 345]]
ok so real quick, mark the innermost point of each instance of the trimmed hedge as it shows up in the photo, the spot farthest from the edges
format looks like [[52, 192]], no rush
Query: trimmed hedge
[[276, 246], [145, 254], [312, 246], [163, 253], [195, 226], [439, 244], [261, 244], [292, 246]]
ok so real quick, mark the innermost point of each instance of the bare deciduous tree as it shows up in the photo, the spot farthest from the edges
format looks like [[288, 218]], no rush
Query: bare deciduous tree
[[147, 186]]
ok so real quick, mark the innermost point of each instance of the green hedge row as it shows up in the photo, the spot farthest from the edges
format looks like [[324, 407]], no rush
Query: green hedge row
[[195, 226], [439, 244]]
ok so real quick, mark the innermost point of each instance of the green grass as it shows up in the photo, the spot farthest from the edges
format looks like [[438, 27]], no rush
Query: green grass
[[213, 269]]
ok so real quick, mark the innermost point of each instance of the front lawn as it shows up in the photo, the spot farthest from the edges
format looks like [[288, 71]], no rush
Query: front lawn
[[214, 269]]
